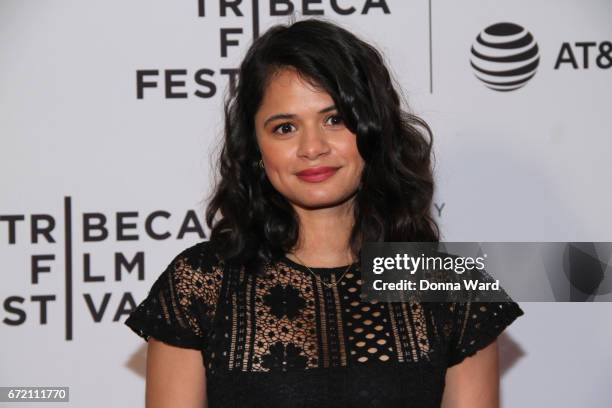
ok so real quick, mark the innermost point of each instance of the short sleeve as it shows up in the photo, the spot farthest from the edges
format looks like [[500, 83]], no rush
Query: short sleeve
[[475, 325], [180, 306]]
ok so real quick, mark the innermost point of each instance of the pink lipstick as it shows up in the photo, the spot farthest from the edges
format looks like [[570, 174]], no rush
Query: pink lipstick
[[317, 174]]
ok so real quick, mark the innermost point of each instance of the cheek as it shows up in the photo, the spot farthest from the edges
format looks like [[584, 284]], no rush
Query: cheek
[[351, 153], [276, 158]]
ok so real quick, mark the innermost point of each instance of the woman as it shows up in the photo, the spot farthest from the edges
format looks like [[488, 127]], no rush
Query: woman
[[318, 158]]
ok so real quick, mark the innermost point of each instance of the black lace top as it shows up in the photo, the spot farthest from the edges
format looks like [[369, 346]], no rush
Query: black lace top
[[284, 339]]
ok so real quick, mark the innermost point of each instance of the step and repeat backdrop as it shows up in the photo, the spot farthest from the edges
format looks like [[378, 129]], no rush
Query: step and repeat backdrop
[[111, 113]]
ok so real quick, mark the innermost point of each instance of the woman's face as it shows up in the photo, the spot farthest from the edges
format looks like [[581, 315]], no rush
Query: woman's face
[[298, 128]]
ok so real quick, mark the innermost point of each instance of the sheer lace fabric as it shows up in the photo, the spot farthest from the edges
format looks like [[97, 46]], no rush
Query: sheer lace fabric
[[284, 339]]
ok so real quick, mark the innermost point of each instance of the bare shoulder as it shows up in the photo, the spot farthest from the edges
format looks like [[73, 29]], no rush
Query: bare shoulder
[[175, 377]]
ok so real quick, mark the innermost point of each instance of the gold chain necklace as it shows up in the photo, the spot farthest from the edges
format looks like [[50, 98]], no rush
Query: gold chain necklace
[[328, 285]]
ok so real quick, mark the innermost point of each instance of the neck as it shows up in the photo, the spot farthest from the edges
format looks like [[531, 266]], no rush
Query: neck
[[324, 235]]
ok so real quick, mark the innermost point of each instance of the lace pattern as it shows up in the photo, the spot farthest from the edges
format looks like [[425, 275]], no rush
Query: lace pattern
[[268, 339]]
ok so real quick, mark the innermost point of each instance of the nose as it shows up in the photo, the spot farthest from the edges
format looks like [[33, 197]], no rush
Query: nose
[[313, 143]]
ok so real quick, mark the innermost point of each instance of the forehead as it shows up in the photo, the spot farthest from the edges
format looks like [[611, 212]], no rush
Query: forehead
[[289, 91]]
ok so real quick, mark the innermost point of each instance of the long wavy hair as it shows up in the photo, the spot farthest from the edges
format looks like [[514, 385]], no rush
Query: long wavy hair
[[250, 221]]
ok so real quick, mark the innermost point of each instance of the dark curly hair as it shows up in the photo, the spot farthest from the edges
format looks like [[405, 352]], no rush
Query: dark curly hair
[[257, 224]]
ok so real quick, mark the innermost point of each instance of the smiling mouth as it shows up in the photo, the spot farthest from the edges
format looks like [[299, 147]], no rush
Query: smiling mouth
[[317, 174]]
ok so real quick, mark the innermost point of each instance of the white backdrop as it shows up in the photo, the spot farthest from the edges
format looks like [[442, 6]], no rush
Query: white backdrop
[[531, 164]]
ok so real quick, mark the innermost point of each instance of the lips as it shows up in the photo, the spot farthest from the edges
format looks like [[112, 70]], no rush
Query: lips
[[315, 174]]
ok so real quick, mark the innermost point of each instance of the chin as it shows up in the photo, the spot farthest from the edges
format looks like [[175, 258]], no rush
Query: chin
[[313, 202]]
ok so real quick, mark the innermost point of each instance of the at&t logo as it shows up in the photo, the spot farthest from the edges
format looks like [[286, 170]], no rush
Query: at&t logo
[[505, 56]]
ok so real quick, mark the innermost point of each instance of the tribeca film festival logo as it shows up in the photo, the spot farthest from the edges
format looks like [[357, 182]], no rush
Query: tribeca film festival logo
[[505, 56], [40, 268], [181, 83]]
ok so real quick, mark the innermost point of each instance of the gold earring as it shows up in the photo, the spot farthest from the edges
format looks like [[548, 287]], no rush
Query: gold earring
[[261, 164]]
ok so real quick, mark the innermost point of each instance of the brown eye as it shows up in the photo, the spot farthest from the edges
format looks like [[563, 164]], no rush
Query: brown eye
[[337, 119], [284, 127]]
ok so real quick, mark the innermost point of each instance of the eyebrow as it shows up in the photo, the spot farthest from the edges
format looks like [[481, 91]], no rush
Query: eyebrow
[[291, 115]]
